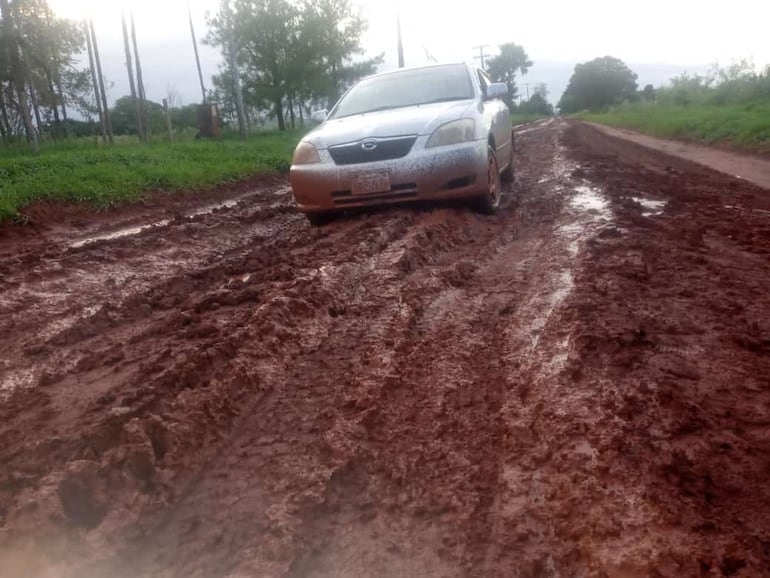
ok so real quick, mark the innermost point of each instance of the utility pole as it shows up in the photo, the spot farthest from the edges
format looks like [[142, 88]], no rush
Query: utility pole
[[140, 82], [400, 43], [108, 121], [95, 82], [168, 120], [481, 53], [197, 58], [67, 130], [233, 63], [131, 85]]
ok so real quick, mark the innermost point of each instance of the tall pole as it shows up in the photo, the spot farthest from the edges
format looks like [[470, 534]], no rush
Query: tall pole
[[400, 43], [92, 67], [197, 58], [67, 130], [481, 54], [140, 82], [233, 63], [168, 120], [131, 85], [100, 76]]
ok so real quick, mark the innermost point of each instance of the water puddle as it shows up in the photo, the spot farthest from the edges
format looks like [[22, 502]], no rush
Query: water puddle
[[130, 231], [737, 208], [211, 208], [22, 378], [588, 198], [127, 232], [653, 207], [573, 233]]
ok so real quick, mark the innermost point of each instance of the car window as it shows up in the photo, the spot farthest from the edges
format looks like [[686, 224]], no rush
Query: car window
[[406, 88]]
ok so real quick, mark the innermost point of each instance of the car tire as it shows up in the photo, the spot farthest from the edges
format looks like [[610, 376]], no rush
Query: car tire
[[489, 202], [320, 219], [508, 175]]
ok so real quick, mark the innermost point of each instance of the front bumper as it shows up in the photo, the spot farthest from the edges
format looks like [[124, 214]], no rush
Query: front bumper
[[449, 172]]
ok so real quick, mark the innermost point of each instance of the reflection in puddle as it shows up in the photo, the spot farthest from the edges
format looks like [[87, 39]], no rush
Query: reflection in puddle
[[21, 378], [589, 199], [129, 231], [119, 233], [737, 208], [653, 207]]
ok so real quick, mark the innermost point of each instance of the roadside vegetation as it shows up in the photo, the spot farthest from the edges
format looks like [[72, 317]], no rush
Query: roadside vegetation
[[523, 118], [534, 108], [729, 106], [107, 175]]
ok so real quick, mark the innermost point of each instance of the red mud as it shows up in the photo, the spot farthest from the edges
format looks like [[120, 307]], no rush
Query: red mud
[[579, 386]]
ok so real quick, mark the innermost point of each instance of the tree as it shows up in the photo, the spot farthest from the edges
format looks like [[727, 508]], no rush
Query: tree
[[259, 31], [537, 104], [37, 70], [504, 67], [124, 117], [648, 93], [597, 84], [330, 36], [287, 53]]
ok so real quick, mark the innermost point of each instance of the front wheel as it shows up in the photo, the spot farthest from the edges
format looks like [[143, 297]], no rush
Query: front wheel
[[490, 201], [320, 219]]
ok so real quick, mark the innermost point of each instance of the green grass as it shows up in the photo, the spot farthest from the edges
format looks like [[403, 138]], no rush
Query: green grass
[[521, 118], [79, 170], [740, 126]]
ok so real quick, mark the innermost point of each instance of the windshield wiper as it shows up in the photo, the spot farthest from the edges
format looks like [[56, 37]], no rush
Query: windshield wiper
[[445, 99], [377, 109]]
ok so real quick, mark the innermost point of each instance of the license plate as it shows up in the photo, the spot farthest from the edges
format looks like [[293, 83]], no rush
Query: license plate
[[374, 182]]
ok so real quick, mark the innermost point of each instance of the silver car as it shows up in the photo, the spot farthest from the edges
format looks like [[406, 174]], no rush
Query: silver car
[[428, 133]]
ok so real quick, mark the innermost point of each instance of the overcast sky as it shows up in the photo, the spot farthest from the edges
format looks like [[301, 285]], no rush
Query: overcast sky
[[657, 38]]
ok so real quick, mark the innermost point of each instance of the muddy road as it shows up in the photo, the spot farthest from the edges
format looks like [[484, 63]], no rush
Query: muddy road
[[578, 386]]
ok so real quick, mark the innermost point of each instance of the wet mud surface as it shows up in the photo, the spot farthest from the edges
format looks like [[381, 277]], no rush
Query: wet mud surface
[[578, 386]]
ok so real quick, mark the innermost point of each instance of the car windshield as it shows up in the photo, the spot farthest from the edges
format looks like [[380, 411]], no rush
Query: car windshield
[[407, 88]]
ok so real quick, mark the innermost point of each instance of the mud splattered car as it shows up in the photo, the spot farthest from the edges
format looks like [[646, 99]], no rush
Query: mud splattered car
[[428, 133]]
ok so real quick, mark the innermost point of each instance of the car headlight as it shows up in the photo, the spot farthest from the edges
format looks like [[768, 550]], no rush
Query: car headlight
[[454, 132], [305, 154]]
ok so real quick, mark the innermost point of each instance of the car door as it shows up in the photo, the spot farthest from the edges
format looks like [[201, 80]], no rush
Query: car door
[[500, 120]]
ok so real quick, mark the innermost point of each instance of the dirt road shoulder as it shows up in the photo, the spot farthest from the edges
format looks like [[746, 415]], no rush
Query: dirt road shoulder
[[752, 169]]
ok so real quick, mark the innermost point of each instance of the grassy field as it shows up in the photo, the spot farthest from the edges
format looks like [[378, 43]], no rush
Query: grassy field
[[519, 118], [79, 170], [740, 126]]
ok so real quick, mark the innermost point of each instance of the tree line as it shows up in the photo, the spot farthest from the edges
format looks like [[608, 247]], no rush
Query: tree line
[[281, 57], [608, 81]]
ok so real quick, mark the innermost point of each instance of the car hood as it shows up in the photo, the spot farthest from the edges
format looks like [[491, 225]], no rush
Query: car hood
[[410, 120]]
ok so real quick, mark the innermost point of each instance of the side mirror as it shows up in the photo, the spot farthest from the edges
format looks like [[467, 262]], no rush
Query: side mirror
[[497, 90], [319, 116]]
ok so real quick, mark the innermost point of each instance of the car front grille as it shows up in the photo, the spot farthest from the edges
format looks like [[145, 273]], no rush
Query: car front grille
[[385, 149]]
